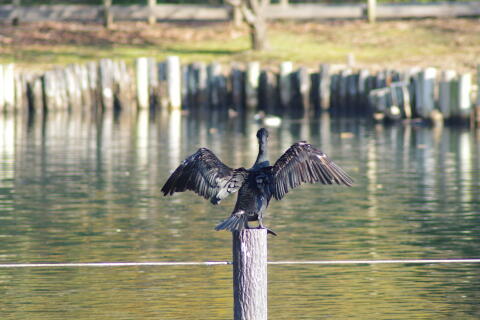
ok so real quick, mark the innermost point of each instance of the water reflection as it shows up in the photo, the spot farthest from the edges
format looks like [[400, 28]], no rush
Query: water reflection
[[87, 188]]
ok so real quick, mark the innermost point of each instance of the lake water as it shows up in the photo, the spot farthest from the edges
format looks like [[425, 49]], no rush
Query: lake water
[[87, 189]]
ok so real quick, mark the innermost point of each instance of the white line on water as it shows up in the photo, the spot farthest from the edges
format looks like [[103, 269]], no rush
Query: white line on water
[[212, 263]]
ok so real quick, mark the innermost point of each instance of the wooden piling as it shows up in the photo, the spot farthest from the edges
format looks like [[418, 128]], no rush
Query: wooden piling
[[250, 274], [444, 92], [285, 82], [424, 92], [324, 86], [237, 88], [251, 87], [152, 18], [174, 82], [8, 87], [475, 118], [2, 89], [464, 101], [107, 14], [142, 75]]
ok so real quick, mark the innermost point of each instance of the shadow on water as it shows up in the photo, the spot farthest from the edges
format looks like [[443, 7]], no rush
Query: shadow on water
[[86, 188]]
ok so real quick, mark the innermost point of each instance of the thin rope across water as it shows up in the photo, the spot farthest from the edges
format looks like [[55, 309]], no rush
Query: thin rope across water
[[213, 263]]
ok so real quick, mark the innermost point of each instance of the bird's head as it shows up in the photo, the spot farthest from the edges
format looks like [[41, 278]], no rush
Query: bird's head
[[262, 135]]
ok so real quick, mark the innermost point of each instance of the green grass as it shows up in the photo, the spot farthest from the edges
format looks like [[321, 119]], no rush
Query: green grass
[[439, 43]]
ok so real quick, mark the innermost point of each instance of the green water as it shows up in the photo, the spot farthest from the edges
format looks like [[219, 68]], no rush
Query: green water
[[81, 189]]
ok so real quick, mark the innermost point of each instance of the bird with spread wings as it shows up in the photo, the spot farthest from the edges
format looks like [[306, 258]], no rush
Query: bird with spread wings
[[204, 174]]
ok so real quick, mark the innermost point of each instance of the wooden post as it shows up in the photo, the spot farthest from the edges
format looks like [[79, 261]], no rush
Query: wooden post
[[250, 274], [464, 101], [444, 101], [424, 92], [324, 86], [285, 82], [107, 14], [2, 89], [476, 114], [16, 16], [106, 83], [173, 82], [371, 10], [251, 87], [143, 94], [237, 87], [9, 86], [237, 16], [151, 12]]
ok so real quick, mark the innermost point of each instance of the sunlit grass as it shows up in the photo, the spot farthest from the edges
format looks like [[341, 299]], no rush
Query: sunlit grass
[[444, 44]]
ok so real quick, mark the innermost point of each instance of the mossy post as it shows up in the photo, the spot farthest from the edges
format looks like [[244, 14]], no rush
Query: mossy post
[[250, 274]]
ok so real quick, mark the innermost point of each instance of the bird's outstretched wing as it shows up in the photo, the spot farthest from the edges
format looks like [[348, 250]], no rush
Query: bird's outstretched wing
[[304, 163], [204, 174]]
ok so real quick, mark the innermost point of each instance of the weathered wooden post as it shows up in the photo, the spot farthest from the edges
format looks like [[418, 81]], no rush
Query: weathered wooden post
[[444, 100], [476, 115], [8, 86], [143, 94], [107, 14], [16, 16], [464, 101], [324, 86], [424, 92], [152, 18], [371, 10], [174, 82], [251, 87], [285, 82], [2, 88], [250, 274]]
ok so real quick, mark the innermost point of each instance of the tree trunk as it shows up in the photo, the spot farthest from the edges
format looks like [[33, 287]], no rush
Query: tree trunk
[[258, 35]]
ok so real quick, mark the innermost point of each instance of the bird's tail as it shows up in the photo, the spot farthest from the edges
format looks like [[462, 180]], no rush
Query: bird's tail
[[236, 222]]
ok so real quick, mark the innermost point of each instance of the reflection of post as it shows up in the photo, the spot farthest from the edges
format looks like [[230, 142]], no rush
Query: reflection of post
[[174, 136], [465, 168], [142, 135], [151, 12], [250, 274]]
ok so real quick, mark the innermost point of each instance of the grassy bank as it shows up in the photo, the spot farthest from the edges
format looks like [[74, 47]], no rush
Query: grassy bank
[[444, 44]]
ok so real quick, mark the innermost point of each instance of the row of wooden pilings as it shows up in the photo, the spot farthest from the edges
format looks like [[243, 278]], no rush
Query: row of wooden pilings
[[109, 84]]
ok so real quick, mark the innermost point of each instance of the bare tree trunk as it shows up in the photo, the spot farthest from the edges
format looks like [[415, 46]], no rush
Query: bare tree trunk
[[254, 13], [258, 36]]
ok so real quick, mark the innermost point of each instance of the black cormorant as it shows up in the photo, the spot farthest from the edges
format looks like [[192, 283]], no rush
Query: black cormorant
[[206, 175]]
